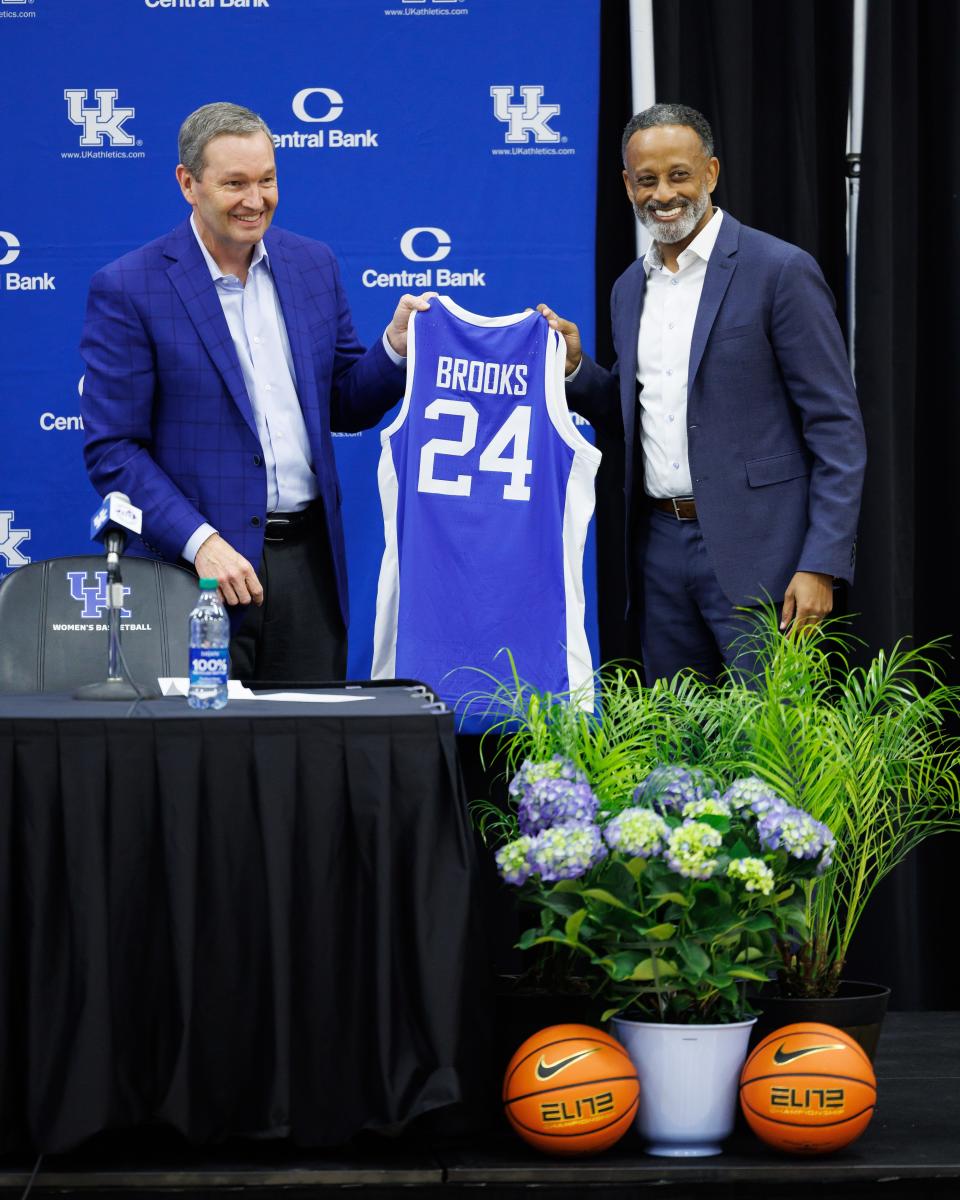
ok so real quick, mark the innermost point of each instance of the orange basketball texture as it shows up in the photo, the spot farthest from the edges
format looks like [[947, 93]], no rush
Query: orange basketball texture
[[571, 1089], [808, 1089]]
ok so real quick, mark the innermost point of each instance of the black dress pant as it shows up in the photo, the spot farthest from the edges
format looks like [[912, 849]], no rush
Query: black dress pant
[[298, 633]]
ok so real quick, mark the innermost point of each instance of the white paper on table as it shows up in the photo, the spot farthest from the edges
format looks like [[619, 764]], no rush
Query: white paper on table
[[236, 691]]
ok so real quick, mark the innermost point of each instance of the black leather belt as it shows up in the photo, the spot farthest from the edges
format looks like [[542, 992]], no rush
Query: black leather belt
[[684, 508], [290, 526]]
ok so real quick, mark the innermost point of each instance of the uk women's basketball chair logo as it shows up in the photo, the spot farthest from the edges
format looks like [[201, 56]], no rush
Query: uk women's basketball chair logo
[[94, 597]]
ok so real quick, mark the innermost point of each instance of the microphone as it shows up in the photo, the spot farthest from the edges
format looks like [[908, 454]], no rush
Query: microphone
[[110, 524]]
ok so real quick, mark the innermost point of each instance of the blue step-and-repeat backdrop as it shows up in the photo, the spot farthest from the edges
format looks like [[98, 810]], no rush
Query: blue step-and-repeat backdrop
[[434, 144]]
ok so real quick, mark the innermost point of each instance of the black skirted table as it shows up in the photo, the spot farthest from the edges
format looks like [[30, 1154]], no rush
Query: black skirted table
[[254, 920]]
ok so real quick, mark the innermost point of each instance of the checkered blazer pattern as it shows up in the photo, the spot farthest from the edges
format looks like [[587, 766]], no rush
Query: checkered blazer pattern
[[166, 415]]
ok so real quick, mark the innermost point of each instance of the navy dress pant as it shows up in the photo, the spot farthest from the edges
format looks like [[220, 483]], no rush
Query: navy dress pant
[[686, 619]]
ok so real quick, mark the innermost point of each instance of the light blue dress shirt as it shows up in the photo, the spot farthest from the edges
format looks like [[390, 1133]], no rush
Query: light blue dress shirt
[[259, 335]]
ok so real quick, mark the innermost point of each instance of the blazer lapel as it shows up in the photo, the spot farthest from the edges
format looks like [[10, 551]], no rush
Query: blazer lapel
[[720, 271], [190, 277], [627, 350]]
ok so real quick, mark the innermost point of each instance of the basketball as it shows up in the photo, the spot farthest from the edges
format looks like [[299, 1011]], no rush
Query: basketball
[[808, 1089], [571, 1089]]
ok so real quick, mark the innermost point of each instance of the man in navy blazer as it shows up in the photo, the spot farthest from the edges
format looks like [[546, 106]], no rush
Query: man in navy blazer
[[219, 358], [745, 446]]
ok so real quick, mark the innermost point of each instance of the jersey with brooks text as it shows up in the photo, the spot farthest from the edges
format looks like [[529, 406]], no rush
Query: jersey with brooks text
[[487, 491]]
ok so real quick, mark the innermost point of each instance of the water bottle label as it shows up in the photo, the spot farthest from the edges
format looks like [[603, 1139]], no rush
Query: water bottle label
[[209, 666]]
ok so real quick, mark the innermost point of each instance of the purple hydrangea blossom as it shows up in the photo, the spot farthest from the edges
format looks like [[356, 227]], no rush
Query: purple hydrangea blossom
[[668, 788], [750, 791], [552, 801], [795, 831], [555, 768], [566, 851]]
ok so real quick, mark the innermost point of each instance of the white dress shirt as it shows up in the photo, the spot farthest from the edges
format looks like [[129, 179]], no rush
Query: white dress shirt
[[663, 360]]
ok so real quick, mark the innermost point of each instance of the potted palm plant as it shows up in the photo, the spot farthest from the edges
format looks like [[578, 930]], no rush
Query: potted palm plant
[[867, 750]]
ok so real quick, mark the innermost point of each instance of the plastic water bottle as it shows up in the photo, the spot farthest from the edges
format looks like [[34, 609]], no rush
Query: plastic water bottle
[[209, 650]]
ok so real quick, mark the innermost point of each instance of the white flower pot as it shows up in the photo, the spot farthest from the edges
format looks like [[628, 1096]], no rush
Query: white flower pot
[[688, 1082]]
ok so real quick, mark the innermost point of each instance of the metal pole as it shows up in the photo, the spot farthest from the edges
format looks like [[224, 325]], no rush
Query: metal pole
[[854, 146], [643, 79]]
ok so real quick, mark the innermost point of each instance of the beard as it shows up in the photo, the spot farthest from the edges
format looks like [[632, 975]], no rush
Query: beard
[[679, 229]]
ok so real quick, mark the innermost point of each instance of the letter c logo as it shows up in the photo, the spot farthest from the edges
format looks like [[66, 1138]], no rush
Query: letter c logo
[[441, 251], [13, 248], [334, 99]]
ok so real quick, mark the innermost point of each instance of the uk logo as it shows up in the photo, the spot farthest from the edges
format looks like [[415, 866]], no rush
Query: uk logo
[[94, 597], [526, 118], [10, 540], [9, 248], [102, 120]]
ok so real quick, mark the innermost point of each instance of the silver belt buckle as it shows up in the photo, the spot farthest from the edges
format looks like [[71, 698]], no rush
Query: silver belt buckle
[[675, 501], [273, 521]]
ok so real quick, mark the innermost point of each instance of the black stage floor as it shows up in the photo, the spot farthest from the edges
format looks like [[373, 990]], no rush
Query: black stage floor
[[912, 1148]]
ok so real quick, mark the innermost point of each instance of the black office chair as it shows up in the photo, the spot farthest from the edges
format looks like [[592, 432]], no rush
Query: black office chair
[[53, 622]]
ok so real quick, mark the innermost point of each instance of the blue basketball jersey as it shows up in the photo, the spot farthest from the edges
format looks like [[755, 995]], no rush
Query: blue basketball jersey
[[487, 491]]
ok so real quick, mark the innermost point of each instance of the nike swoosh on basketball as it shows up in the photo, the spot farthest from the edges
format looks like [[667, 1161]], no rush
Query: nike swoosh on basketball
[[546, 1070], [784, 1056]]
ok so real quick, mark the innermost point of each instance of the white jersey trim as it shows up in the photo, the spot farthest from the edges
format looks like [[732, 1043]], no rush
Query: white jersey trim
[[388, 583], [486, 322], [579, 503]]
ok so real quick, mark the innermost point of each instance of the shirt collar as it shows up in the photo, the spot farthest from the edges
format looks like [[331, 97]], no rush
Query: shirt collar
[[259, 255], [701, 247]]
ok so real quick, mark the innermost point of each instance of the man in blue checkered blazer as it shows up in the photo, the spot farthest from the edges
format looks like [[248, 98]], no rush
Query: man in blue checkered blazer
[[219, 358]]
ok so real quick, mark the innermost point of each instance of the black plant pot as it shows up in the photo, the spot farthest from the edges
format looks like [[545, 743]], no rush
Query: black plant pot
[[857, 1008]]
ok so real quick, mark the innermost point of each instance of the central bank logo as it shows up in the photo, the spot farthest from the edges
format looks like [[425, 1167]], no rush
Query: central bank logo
[[319, 107], [101, 120], [424, 244], [9, 248], [529, 116], [412, 244], [11, 539], [14, 281], [328, 108], [94, 597]]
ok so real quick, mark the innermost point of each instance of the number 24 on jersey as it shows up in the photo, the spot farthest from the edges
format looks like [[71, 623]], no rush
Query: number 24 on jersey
[[514, 431]]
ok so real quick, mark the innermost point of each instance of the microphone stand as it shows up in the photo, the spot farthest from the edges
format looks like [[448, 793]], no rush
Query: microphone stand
[[114, 687]]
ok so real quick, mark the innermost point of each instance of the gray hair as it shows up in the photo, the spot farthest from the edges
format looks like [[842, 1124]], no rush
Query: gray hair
[[669, 114], [211, 121]]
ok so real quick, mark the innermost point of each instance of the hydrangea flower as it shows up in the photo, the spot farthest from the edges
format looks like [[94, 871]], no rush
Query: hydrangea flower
[[744, 793], [513, 860], [636, 832], [553, 801], [566, 851], [754, 872], [796, 831], [711, 806], [555, 768], [668, 788], [691, 850]]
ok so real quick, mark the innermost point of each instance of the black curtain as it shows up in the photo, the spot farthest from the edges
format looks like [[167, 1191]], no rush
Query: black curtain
[[908, 361]]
